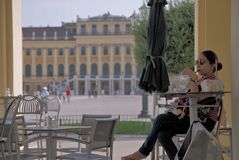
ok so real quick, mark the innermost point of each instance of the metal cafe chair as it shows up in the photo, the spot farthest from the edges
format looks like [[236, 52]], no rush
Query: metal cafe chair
[[101, 137], [84, 133], [30, 114], [52, 106], [7, 129]]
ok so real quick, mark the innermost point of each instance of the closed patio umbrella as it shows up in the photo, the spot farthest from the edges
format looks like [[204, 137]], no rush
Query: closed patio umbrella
[[155, 76]]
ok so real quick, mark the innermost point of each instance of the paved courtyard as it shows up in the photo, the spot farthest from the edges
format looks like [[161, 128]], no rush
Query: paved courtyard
[[117, 105], [121, 105]]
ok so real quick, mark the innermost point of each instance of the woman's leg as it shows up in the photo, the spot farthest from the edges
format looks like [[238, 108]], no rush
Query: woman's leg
[[159, 124], [165, 139], [163, 123]]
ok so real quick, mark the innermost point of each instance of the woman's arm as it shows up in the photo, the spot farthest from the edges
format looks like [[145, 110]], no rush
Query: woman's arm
[[194, 78]]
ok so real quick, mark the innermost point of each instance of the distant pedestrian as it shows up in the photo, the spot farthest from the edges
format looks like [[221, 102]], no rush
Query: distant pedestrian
[[44, 92], [68, 94]]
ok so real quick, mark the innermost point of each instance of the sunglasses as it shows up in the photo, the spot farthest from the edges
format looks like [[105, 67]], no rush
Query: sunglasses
[[200, 62]]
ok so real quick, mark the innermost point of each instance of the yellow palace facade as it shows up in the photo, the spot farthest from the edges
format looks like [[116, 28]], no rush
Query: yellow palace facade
[[93, 54]]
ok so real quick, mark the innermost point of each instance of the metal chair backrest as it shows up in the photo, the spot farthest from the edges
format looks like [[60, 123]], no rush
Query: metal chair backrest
[[52, 105], [9, 118], [8, 129], [218, 123], [31, 106], [88, 120], [102, 134]]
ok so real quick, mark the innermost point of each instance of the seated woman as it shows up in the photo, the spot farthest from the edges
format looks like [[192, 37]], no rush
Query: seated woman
[[168, 124]]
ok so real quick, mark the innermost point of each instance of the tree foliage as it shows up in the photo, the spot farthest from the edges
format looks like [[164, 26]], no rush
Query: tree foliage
[[140, 35], [180, 36]]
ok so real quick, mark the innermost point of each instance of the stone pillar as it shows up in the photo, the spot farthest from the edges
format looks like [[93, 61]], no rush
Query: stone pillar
[[111, 63], [33, 56], [86, 85], [213, 22], [111, 85], [133, 85], [55, 66], [77, 54], [122, 85], [66, 63], [10, 46], [44, 64], [76, 86]]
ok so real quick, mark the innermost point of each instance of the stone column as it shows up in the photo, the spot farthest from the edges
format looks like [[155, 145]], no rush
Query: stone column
[[10, 46], [66, 63], [44, 64], [55, 67], [33, 65], [111, 85], [86, 85]]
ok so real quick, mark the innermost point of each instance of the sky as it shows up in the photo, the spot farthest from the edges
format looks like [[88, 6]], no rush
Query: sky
[[54, 12]]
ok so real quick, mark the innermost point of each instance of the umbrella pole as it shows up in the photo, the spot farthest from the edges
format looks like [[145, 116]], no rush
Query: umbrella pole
[[154, 104]]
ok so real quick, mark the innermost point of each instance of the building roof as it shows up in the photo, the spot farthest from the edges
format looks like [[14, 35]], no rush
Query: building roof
[[46, 33]]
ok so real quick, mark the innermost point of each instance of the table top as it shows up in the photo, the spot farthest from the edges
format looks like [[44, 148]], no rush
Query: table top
[[174, 94], [54, 128]]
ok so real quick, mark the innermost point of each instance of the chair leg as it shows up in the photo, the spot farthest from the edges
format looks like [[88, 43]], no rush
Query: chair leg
[[9, 149], [3, 150]]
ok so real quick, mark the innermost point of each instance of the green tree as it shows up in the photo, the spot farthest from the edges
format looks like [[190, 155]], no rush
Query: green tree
[[140, 35], [180, 35]]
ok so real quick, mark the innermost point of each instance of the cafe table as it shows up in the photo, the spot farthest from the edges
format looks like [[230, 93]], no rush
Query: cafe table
[[193, 96], [51, 150]]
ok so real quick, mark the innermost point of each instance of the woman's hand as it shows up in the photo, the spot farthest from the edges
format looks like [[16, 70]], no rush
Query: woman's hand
[[190, 73], [194, 78]]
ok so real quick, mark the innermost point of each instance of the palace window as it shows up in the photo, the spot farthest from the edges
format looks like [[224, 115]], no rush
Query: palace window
[[94, 29], [39, 70], [60, 70], [105, 28], [94, 51], [105, 50], [49, 70], [128, 50], [72, 70], [61, 52], [105, 69], [83, 29], [72, 51], [117, 28], [39, 51], [49, 51], [82, 50], [128, 69], [117, 69], [127, 28], [83, 69], [28, 70], [94, 69], [117, 50]]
